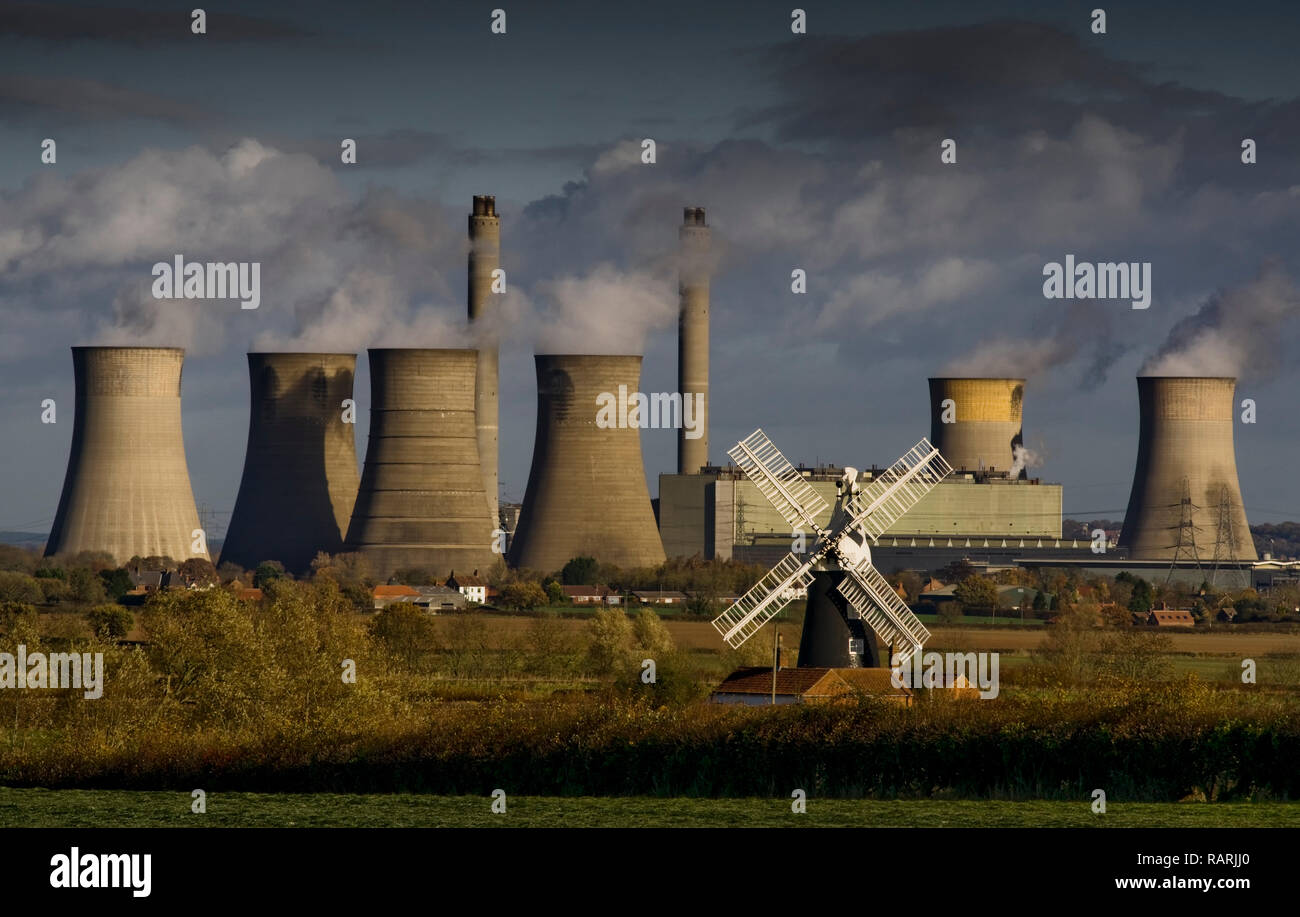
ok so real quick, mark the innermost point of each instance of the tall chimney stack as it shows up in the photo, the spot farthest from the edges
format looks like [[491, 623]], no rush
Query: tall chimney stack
[[484, 258], [1185, 453], [693, 335], [976, 423], [300, 471], [587, 493], [127, 490]]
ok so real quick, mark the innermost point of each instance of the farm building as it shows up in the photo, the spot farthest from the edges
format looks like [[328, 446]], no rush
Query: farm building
[[1171, 617], [385, 595]]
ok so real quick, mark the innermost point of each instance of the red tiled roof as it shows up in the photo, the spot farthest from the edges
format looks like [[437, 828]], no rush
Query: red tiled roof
[[394, 591], [467, 580], [758, 680], [584, 590]]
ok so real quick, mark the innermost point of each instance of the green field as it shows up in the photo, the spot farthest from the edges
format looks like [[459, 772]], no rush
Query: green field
[[138, 809]]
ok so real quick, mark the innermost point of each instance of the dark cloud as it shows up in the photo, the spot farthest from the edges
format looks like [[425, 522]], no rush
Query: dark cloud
[[21, 94], [1007, 75], [62, 22], [985, 82]]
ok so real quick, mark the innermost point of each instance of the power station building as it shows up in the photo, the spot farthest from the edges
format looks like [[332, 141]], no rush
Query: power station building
[[587, 493], [421, 502], [975, 424], [127, 489], [719, 513], [300, 471]]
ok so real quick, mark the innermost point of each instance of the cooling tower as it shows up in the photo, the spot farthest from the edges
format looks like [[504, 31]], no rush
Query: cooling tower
[[586, 492], [484, 258], [300, 470], [693, 336], [127, 490], [1186, 438], [421, 501], [983, 421]]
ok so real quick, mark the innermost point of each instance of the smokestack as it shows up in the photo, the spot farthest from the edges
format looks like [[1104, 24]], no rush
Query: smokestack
[[983, 421], [300, 470], [1185, 452], [421, 501], [587, 492], [693, 334], [127, 490], [484, 258]]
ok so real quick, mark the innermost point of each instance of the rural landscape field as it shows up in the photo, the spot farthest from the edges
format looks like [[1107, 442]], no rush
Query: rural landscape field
[[539, 716]]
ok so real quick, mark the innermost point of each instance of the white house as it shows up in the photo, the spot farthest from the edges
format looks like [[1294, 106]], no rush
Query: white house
[[469, 585]]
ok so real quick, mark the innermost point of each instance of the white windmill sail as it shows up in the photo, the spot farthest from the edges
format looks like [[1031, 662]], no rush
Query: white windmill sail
[[897, 489], [884, 611], [785, 488], [764, 601]]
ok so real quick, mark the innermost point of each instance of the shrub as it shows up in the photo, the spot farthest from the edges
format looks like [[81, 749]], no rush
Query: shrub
[[650, 634], [198, 570], [977, 591], [1140, 601], [610, 649], [117, 582], [54, 590], [522, 595], [268, 571], [949, 612], [86, 586], [19, 587], [580, 571], [110, 622], [407, 633]]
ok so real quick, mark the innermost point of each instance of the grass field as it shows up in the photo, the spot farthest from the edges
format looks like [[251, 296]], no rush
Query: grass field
[[134, 809]]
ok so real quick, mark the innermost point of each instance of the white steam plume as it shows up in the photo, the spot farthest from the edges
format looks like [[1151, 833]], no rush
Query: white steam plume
[[1238, 332]]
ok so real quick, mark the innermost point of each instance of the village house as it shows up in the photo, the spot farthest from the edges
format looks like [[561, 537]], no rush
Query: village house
[[470, 586], [659, 597]]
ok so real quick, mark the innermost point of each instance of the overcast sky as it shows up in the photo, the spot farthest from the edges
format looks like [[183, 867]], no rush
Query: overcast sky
[[817, 151]]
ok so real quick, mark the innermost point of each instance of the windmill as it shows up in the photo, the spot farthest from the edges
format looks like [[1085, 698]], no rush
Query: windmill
[[846, 594]]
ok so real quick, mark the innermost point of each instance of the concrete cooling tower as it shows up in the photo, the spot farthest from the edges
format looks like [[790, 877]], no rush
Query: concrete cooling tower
[[587, 492], [693, 335], [300, 470], [484, 258], [1186, 500], [984, 421], [127, 490], [421, 502]]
